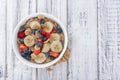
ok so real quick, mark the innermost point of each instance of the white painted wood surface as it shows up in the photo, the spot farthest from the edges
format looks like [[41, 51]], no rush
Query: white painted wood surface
[[93, 31]]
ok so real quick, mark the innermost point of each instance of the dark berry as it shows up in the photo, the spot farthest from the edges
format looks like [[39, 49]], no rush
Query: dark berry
[[21, 40], [30, 51], [39, 44], [47, 54], [22, 28], [40, 36], [59, 30], [33, 31], [27, 52], [39, 30], [44, 39], [42, 21], [28, 57], [52, 58], [23, 55]]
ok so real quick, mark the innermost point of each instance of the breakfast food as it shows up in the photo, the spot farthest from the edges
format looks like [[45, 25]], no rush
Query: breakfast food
[[40, 40]]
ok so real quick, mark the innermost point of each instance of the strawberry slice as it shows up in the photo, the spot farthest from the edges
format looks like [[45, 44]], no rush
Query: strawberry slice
[[21, 34], [54, 54], [47, 35], [36, 52], [39, 40], [53, 30], [22, 47], [43, 32]]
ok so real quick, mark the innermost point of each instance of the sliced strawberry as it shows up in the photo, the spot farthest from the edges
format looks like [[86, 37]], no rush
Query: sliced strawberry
[[43, 32], [54, 54], [47, 35], [21, 34], [22, 47], [53, 30], [21, 50], [39, 40], [36, 52]]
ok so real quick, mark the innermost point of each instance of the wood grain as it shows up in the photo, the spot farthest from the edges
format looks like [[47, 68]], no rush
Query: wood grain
[[108, 27], [3, 40], [83, 31], [93, 31], [15, 69]]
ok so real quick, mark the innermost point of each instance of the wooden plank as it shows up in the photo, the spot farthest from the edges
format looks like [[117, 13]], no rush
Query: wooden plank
[[32, 9], [21, 71], [11, 22], [16, 11], [59, 9], [82, 28], [109, 31], [3, 40]]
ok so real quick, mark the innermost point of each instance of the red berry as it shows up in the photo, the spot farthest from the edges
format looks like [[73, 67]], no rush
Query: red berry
[[54, 54], [21, 50], [21, 34], [53, 30], [39, 40], [22, 47], [36, 52], [47, 35], [43, 32]]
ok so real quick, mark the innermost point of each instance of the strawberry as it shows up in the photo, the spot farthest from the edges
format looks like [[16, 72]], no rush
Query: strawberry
[[47, 35], [39, 39], [54, 54], [43, 32], [21, 34], [21, 50], [22, 47], [53, 30], [36, 52]]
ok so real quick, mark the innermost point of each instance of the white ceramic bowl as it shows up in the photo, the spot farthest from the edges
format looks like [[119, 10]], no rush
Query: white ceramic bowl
[[16, 49]]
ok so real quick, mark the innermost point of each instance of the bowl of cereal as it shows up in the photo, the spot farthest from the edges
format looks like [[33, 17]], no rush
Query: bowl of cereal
[[39, 40]]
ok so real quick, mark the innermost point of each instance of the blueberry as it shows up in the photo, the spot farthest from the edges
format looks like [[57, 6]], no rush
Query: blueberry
[[47, 54], [23, 55], [30, 51], [28, 57], [59, 30], [22, 28], [33, 31], [44, 39], [26, 51], [52, 58], [40, 36], [39, 44], [42, 21], [21, 40], [39, 30]]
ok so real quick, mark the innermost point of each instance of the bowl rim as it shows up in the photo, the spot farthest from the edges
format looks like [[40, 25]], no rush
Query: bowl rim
[[15, 45]]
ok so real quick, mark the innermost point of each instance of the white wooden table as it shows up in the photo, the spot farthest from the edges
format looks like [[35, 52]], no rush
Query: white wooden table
[[94, 39]]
